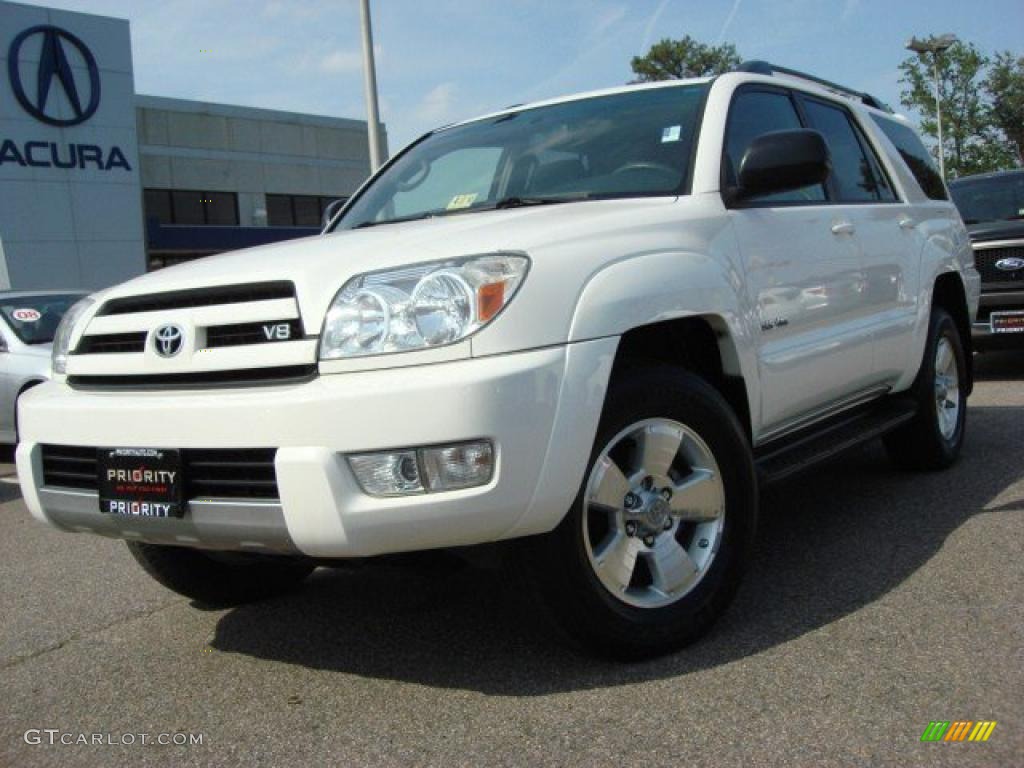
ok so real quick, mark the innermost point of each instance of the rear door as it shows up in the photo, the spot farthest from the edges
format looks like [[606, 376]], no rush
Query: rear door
[[882, 226], [805, 276]]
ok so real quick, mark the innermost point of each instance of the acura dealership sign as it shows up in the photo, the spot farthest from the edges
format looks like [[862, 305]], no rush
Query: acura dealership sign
[[33, 90], [54, 65], [70, 186]]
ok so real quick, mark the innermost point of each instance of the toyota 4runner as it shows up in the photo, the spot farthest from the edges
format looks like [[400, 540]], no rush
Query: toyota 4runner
[[593, 325]]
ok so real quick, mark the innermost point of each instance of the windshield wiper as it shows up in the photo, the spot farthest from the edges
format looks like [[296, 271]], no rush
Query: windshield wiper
[[507, 202], [522, 202], [399, 220]]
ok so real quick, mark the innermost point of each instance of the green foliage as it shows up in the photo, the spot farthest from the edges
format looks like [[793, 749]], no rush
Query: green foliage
[[1005, 85], [974, 140], [678, 59]]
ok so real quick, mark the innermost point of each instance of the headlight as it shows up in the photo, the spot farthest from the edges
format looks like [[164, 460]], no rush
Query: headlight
[[419, 307], [62, 337]]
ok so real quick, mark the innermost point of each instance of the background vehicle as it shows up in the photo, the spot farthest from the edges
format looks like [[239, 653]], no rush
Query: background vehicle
[[594, 326], [28, 320], [992, 206]]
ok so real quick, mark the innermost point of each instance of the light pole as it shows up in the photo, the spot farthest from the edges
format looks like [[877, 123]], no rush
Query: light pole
[[935, 46], [370, 86]]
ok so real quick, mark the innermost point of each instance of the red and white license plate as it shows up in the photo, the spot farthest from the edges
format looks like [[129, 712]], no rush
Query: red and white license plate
[[1007, 322]]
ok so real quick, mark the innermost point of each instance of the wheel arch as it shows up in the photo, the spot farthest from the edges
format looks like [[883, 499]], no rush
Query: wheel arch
[[949, 292], [682, 308], [699, 343]]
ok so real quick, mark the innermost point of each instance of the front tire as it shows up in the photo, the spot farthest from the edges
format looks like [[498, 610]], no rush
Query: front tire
[[933, 439], [653, 548], [220, 579]]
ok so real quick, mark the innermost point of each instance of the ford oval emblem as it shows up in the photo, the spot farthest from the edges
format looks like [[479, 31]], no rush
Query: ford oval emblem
[[1011, 264]]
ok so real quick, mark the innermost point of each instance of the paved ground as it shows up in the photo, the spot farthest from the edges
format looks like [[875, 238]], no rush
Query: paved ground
[[879, 601]]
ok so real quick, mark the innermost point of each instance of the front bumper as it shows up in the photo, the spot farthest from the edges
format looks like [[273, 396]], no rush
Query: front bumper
[[540, 408], [981, 330]]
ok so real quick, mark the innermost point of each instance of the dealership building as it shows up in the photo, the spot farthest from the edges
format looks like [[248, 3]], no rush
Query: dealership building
[[99, 184]]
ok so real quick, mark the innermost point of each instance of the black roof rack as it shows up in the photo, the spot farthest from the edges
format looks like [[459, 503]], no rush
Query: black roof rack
[[765, 68]]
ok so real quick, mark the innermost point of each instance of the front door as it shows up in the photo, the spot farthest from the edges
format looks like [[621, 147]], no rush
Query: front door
[[805, 273]]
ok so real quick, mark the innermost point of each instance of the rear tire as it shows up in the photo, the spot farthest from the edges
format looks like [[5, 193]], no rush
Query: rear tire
[[624, 575], [220, 579], [933, 439]]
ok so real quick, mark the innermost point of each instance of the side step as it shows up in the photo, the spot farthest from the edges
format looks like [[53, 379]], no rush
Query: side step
[[796, 453]]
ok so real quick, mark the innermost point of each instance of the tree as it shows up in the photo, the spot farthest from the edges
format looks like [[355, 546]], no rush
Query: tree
[[678, 59], [1005, 85], [971, 141]]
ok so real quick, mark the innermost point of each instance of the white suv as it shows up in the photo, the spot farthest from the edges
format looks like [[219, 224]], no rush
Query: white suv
[[593, 325]]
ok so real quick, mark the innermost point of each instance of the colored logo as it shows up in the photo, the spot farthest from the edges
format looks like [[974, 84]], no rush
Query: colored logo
[[1011, 264], [168, 340], [26, 315], [958, 730], [54, 66]]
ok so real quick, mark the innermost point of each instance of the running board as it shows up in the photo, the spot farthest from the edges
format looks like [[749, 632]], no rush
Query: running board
[[790, 455]]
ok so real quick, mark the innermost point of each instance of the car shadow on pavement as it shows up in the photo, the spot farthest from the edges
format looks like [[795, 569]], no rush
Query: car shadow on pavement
[[830, 544]]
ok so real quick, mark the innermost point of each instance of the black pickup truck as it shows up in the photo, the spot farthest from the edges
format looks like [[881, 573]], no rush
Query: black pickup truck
[[992, 207]]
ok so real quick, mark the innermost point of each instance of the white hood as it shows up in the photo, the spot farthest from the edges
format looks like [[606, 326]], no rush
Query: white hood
[[320, 265]]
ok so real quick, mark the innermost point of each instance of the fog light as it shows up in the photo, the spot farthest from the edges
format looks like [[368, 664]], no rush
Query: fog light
[[437, 468], [388, 474]]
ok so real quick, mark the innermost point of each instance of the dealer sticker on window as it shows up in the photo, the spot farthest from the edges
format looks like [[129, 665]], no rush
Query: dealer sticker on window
[[671, 134], [461, 201], [26, 315]]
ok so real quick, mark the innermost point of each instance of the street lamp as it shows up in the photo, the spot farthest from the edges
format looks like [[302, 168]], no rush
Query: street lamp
[[935, 46], [370, 85]]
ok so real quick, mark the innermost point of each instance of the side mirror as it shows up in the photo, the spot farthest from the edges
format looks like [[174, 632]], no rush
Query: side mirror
[[781, 161], [332, 208]]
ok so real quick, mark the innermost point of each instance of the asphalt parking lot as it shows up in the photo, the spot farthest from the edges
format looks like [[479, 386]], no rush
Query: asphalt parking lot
[[878, 602]]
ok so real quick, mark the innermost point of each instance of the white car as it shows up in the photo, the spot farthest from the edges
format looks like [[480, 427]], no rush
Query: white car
[[592, 325], [28, 321]]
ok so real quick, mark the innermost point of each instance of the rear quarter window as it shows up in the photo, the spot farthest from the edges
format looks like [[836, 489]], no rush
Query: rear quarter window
[[914, 154]]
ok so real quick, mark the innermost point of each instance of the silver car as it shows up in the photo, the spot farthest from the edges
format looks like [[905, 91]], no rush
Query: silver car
[[28, 321]]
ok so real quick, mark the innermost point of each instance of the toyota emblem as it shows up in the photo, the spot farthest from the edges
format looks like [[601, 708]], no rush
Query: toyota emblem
[[168, 340]]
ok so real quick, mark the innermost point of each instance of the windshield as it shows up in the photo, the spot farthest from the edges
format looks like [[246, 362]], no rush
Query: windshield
[[34, 319], [624, 145], [998, 198]]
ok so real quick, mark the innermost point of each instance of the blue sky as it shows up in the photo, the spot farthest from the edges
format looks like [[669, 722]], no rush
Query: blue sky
[[441, 60]]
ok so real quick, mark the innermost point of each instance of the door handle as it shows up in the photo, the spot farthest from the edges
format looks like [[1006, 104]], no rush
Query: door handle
[[907, 223], [842, 228]]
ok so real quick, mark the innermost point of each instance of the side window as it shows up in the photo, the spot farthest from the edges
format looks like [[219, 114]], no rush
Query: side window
[[854, 177], [752, 114], [915, 156]]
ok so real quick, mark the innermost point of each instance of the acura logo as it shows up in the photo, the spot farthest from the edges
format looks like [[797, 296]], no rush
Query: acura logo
[[53, 65], [168, 340], [1011, 264]]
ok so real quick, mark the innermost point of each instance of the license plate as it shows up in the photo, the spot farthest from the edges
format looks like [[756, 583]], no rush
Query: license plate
[[140, 482], [1007, 322]]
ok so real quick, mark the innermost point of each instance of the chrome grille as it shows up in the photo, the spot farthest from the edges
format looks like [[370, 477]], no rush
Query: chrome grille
[[218, 323], [985, 260]]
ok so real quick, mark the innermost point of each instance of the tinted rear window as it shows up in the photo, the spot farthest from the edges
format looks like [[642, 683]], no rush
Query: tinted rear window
[[917, 158]]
